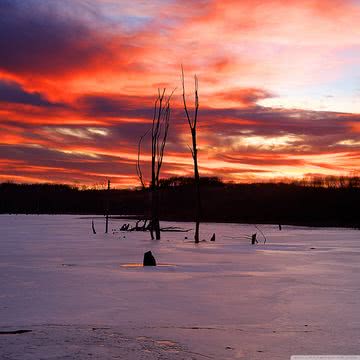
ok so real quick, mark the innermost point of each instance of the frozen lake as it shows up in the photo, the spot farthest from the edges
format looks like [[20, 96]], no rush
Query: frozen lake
[[297, 294]]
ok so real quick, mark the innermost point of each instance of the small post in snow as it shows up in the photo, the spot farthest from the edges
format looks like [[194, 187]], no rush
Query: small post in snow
[[253, 239]]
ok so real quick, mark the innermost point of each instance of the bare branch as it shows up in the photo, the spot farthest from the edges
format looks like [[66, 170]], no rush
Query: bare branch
[[191, 150], [138, 165], [184, 97], [261, 233], [196, 101], [159, 133], [164, 139]]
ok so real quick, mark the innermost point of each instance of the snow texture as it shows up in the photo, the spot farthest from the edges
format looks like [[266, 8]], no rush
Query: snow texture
[[83, 297]]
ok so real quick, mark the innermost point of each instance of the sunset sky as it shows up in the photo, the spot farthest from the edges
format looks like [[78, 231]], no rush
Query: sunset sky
[[279, 87]]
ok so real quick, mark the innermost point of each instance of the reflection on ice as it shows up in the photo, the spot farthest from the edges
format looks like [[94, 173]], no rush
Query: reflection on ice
[[140, 265]]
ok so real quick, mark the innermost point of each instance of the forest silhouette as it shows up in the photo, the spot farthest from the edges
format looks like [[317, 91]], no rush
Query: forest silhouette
[[328, 201]]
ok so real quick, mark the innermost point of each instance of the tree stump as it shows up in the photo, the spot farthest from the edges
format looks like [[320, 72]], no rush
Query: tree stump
[[253, 239], [149, 259]]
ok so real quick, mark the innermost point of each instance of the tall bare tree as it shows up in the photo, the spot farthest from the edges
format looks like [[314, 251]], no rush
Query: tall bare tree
[[107, 207], [159, 132], [192, 121]]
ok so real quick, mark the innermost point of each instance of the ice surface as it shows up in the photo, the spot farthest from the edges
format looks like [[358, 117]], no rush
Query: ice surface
[[82, 299]]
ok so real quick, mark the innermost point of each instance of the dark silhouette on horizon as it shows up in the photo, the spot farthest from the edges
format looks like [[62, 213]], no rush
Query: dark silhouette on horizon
[[334, 203]]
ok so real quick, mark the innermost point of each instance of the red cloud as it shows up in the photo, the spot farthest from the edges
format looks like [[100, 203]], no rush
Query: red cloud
[[88, 72]]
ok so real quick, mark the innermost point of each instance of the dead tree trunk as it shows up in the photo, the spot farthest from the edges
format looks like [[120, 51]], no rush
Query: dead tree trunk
[[192, 121], [159, 132], [107, 208]]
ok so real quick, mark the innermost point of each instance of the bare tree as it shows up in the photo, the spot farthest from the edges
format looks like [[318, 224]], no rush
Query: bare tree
[[107, 207], [159, 132], [192, 121]]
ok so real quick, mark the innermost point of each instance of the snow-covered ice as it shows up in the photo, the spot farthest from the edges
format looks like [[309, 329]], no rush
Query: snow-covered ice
[[297, 294]]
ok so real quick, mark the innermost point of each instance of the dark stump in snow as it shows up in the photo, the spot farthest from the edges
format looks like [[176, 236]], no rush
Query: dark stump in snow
[[253, 239], [149, 259]]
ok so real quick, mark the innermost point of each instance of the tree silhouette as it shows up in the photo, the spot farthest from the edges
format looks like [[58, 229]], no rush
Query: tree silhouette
[[159, 132], [192, 121]]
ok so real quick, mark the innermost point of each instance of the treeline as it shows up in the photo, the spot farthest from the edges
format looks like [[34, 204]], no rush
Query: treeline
[[330, 181], [304, 203]]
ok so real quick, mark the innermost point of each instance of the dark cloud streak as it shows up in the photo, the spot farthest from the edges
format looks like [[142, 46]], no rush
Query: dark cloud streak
[[40, 37], [12, 92]]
